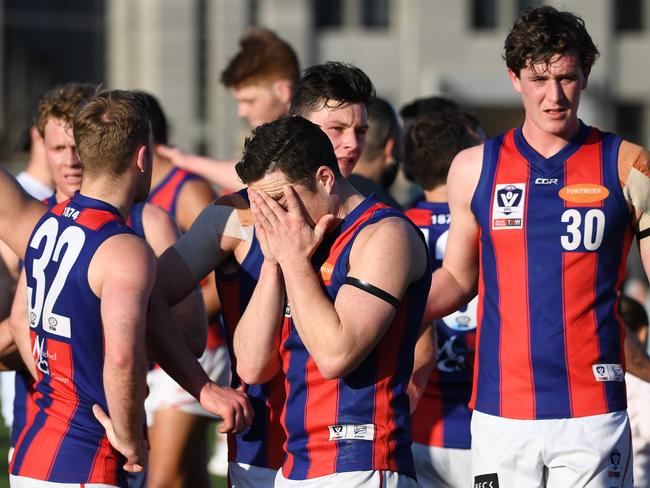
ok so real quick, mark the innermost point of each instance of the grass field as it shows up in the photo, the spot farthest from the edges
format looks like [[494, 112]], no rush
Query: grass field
[[217, 482]]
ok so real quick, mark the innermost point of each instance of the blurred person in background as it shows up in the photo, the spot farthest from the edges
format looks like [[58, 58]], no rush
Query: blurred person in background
[[262, 77], [638, 393], [440, 390], [379, 162], [335, 96]]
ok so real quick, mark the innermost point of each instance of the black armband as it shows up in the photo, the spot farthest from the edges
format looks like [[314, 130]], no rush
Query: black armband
[[373, 290], [643, 233]]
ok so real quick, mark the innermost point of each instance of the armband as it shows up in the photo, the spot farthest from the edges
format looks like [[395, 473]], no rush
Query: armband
[[373, 290]]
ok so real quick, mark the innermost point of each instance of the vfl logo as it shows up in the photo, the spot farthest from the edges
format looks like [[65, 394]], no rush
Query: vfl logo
[[509, 197], [508, 206], [337, 429], [615, 458]]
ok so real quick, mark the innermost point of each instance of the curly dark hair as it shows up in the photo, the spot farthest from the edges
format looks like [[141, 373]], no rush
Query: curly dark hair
[[331, 84], [543, 32], [290, 144], [432, 142]]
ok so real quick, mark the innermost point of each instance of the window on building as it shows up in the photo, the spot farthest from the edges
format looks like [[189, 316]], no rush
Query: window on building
[[629, 121], [628, 15], [484, 14], [253, 12], [375, 13], [328, 13]]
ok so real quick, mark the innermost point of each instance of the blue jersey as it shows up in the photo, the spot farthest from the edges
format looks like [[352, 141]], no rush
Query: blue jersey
[[63, 442]]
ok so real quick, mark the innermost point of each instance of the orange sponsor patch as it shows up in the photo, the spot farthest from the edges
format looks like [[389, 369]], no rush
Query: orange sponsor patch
[[584, 193], [326, 271]]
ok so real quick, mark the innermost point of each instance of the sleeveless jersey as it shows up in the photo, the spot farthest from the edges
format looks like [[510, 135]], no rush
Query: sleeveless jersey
[[554, 236], [62, 441], [262, 443], [442, 417], [359, 422]]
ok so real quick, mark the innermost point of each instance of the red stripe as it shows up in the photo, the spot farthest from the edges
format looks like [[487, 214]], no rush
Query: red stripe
[[287, 467], [579, 294], [94, 219], [419, 216], [511, 256], [276, 434], [105, 464], [321, 409], [427, 422], [164, 197], [58, 208], [43, 449], [388, 352]]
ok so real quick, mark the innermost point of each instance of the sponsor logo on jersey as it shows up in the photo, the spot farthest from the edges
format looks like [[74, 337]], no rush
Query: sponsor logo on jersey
[[584, 193], [486, 481], [546, 181], [508, 206], [608, 372], [326, 271], [362, 432]]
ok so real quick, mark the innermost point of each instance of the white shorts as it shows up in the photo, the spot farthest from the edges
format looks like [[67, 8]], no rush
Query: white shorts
[[164, 392], [591, 452], [242, 475], [7, 391], [23, 482], [369, 479], [442, 467]]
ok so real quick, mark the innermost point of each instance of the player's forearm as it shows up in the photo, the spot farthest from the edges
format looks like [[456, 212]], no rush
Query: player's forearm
[[219, 172], [166, 346], [424, 361], [256, 340], [446, 295], [191, 317], [125, 386]]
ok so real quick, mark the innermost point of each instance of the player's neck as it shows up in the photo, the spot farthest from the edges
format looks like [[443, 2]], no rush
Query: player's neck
[[545, 143], [161, 168], [117, 193], [437, 195], [349, 199]]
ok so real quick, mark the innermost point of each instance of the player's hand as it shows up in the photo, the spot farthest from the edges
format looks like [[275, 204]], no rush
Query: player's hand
[[231, 405], [288, 234], [135, 453], [260, 233], [177, 157]]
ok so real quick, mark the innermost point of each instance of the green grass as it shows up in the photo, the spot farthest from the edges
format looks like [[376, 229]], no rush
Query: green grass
[[217, 482]]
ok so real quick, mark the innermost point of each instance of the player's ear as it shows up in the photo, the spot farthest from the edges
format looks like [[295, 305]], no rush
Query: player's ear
[[325, 178], [283, 90], [514, 79], [142, 159]]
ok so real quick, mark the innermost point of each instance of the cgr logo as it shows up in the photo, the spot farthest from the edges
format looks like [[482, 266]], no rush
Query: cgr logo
[[546, 181]]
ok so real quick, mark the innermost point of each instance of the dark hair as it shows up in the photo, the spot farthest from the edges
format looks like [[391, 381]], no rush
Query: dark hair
[[331, 84], [543, 32], [633, 313], [383, 125], [157, 118], [262, 56], [61, 102], [290, 144], [108, 129], [432, 142], [428, 105]]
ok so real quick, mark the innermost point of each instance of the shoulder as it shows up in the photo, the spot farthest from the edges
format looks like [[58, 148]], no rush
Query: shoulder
[[157, 217], [197, 188], [390, 233], [632, 157]]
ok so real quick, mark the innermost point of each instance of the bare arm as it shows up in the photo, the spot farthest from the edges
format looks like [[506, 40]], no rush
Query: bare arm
[[339, 336], [426, 355], [218, 172], [19, 324], [124, 296], [161, 233], [455, 283], [19, 213]]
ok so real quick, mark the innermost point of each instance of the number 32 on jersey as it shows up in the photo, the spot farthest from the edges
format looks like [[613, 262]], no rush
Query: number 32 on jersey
[[62, 251]]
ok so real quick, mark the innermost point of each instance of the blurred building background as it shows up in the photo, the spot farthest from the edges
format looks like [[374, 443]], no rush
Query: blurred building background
[[176, 49]]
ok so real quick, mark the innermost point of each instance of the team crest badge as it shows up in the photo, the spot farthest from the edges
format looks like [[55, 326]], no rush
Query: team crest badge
[[508, 206]]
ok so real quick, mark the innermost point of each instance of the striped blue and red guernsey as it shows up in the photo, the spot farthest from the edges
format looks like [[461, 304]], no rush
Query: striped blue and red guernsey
[[165, 194], [262, 443], [361, 421], [554, 236], [442, 418], [62, 441]]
